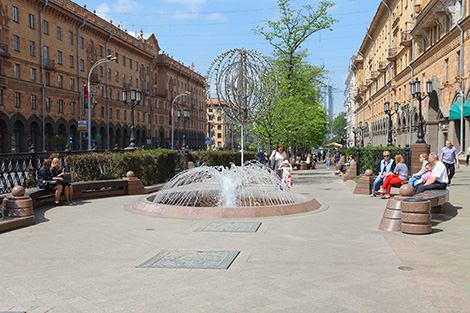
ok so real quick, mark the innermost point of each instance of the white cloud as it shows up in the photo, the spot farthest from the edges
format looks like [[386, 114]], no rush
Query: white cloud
[[217, 17], [121, 6], [193, 5]]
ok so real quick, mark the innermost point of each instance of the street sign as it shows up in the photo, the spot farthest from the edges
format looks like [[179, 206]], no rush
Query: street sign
[[82, 125], [208, 140], [149, 141]]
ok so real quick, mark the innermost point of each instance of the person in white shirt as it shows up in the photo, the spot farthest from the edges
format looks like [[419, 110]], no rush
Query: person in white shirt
[[277, 157], [439, 178]]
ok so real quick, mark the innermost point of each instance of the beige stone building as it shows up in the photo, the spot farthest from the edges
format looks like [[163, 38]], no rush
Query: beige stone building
[[408, 41], [220, 131], [47, 49]]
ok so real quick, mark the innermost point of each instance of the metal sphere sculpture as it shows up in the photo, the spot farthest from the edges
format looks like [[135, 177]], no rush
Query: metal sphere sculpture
[[241, 81]]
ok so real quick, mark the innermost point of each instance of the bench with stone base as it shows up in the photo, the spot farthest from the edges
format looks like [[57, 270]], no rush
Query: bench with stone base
[[417, 213]]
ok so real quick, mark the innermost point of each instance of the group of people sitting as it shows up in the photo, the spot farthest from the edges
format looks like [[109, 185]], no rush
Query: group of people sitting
[[432, 175], [54, 179]]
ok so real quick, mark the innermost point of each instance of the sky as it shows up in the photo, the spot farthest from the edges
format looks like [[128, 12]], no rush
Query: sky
[[199, 30]]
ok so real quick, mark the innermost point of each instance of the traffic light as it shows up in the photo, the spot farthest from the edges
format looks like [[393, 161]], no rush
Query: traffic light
[[85, 95], [170, 117], [71, 140]]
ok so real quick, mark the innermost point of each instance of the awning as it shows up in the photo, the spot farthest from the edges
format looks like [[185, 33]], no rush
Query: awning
[[454, 113]]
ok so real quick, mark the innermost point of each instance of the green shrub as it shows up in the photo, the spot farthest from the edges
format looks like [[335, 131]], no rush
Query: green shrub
[[88, 167], [224, 158]]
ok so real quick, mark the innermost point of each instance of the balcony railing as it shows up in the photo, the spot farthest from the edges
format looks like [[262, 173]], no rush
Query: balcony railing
[[406, 38], [49, 64], [392, 54], [95, 78], [4, 50], [3, 81], [382, 66]]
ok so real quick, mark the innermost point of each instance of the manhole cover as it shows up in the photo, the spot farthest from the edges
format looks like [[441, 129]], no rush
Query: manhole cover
[[193, 259], [405, 268], [234, 227]]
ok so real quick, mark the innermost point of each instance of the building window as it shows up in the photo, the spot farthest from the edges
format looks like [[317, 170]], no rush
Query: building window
[[102, 91], [46, 27], [219, 127], [109, 73], [33, 102], [136, 66], [130, 63], [15, 14], [118, 113], [59, 57], [102, 112], [17, 100], [48, 104], [125, 115], [72, 108], [31, 21], [71, 38], [32, 48], [48, 79], [101, 51], [61, 106], [130, 80], [81, 42], [124, 78], [1, 97], [82, 65], [72, 83], [138, 117], [117, 76], [16, 43], [71, 61], [219, 118], [93, 110], [101, 71], [219, 135], [59, 33], [447, 69], [123, 60], [117, 58], [60, 80], [33, 74], [110, 112], [17, 71], [117, 95]]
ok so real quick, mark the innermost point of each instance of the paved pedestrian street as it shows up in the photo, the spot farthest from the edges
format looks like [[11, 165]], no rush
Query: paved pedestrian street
[[86, 258]]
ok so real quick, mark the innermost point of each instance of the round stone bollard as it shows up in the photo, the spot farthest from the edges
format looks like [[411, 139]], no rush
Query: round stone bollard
[[368, 172], [391, 220], [407, 190], [416, 216], [18, 205]]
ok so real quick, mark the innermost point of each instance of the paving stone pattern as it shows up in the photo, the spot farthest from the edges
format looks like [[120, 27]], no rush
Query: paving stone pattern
[[231, 227], [192, 259]]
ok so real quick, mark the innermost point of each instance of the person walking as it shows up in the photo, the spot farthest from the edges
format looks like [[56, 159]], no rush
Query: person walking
[[278, 155], [439, 178], [449, 156], [387, 165], [468, 156], [328, 157], [261, 157], [337, 155]]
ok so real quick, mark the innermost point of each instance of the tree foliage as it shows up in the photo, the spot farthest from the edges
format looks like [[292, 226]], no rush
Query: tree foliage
[[339, 127], [297, 117]]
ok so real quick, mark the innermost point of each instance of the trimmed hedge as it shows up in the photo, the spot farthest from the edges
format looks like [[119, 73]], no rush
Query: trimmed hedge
[[224, 158], [150, 166]]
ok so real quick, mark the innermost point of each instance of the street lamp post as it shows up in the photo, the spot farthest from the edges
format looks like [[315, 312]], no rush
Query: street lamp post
[[416, 93], [109, 58], [172, 126], [362, 128], [390, 112], [186, 114], [135, 101]]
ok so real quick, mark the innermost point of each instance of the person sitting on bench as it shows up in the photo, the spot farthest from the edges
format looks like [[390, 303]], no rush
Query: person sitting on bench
[[387, 165], [398, 175], [439, 178], [49, 183], [342, 168]]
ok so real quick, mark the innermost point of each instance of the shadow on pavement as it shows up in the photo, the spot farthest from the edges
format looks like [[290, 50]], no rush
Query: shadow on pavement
[[448, 212]]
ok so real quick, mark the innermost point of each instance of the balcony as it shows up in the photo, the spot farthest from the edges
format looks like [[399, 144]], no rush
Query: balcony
[[4, 50], [392, 54], [92, 54], [95, 78], [374, 75], [382, 66], [3, 81], [49, 64], [126, 86], [405, 38]]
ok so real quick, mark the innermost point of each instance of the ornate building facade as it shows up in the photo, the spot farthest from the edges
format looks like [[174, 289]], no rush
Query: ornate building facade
[[47, 51], [349, 105], [425, 40]]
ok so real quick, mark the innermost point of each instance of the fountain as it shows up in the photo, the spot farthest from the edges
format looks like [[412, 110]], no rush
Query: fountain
[[218, 192]]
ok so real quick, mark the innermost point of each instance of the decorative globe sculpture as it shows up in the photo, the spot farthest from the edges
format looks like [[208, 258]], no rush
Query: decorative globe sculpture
[[407, 190], [369, 172]]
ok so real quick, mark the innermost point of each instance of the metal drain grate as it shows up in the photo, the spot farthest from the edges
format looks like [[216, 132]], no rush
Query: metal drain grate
[[230, 227], [192, 259]]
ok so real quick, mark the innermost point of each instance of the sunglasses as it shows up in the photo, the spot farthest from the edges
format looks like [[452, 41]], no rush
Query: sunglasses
[[386, 156]]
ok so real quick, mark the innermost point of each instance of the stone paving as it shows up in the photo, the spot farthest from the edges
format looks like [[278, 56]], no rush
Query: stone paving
[[85, 258]]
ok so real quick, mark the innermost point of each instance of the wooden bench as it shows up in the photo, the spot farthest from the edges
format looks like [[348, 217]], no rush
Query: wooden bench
[[82, 190]]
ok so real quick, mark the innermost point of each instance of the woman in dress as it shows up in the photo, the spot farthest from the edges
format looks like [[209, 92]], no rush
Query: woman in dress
[[279, 156]]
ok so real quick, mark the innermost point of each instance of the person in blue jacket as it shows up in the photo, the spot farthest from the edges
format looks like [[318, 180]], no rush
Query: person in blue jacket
[[387, 165]]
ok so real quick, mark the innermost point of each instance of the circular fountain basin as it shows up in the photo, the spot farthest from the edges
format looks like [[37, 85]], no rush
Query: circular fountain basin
[[220, 192], [146, 205]]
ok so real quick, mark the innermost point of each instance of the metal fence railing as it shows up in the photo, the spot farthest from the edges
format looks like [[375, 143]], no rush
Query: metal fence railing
[[369, 158]]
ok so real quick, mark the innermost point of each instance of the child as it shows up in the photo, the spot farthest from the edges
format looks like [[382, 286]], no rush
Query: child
[[286, 168], [426, 175]]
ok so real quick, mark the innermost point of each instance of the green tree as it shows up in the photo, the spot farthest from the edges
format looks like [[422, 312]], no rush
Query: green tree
[[58, 142], [339, 127], [297, 117]]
